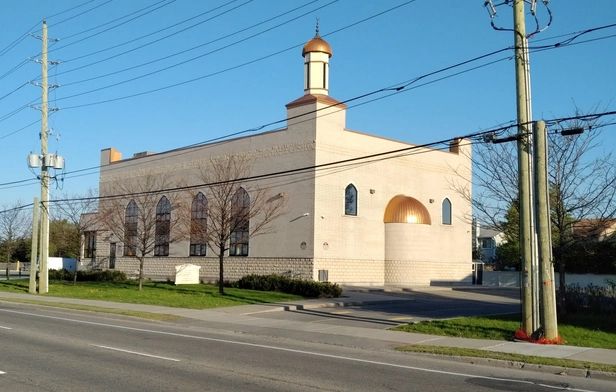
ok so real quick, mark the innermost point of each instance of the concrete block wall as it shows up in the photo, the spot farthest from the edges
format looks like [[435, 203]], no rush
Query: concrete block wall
[[354, 271], [162, 268]]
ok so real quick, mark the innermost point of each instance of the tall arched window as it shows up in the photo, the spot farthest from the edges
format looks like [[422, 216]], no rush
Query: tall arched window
[[198, 225], [350, 200], [131, 217], [446, 212], [162, 230], [240, 223]]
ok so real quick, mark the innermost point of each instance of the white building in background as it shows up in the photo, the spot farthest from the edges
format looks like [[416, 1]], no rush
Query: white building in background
[[372, 221]]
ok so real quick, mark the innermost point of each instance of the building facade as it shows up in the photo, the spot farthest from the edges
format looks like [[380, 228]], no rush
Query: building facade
[[362, 209]]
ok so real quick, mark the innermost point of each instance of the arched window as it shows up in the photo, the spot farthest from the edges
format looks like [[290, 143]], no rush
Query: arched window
[[198, 225], [131, 217], [162, 230], [240, 223], [350, 200], [446, 212]]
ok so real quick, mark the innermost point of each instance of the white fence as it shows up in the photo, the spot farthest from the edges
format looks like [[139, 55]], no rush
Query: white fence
[[512, 279]]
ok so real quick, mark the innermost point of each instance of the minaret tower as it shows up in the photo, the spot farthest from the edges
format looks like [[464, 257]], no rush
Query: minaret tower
[[316, 54], [316, 108]]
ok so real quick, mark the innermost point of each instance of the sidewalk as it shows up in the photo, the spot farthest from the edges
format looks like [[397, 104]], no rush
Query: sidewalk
[[247, 315]]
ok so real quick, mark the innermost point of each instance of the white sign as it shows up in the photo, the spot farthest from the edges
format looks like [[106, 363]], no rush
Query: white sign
[[187, 274]]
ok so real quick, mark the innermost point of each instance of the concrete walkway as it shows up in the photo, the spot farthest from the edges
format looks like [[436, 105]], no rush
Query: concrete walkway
[[248, 316]]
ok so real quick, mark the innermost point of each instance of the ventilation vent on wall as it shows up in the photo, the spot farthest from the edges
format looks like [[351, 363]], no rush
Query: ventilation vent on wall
[[323, 275]]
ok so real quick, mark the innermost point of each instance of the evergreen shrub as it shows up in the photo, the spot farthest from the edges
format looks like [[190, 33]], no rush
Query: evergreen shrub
[[303, 287]]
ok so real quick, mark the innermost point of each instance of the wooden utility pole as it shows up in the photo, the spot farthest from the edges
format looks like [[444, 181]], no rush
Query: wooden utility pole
[[34, 251], [548, 293], [522, 77], [44, 270]]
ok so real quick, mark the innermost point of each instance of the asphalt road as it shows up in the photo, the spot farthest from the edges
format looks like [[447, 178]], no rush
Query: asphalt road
[[415, 307], [59, 350]]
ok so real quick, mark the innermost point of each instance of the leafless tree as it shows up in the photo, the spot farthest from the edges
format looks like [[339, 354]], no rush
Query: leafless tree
[[144, 215], [73, 207], [14, 225], [582, 185], [236, 210]]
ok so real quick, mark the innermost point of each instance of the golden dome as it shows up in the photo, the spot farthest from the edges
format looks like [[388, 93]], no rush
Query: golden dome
[[317, 44], [405, 209]]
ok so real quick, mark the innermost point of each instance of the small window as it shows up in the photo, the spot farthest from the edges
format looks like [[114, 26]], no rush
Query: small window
[[446, 212], [487, 243], [131, 217], [350, 200], [162, 230]]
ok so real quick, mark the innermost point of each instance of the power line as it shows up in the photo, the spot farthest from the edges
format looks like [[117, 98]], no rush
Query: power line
[[345, 162], [70, 9], [145, 36], [112, 27], [554, 46], [107, 23], [183, 51]]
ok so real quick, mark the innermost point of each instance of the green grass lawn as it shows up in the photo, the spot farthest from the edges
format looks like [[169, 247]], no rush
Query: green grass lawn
[[197, 296], [578, 330]]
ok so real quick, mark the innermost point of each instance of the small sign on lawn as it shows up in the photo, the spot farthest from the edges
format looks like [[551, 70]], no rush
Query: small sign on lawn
[[187, 274]]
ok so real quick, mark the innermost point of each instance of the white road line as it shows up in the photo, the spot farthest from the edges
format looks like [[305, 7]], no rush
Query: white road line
[[1, 372], [136, 353], [351, 359], [5, 327]]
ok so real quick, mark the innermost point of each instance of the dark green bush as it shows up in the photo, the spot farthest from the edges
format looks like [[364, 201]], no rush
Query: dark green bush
[[303, 287], [592, 300], [61, 274], [101, 276], [88, 276]]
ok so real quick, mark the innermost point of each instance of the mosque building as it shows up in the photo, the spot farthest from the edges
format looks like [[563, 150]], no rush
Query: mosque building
[[360, 209]]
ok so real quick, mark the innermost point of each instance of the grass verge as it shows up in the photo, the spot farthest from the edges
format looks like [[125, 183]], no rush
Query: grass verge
[[578, 330], [121, 312], [199, 296], [526, 359]]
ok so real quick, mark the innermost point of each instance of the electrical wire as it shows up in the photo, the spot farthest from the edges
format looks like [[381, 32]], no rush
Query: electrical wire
[[110, 22], [145, 36], [112, 27], [183, 51]]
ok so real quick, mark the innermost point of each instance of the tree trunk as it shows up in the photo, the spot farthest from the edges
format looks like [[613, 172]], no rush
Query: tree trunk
[[221, 275], [141, 273], [75, 274]]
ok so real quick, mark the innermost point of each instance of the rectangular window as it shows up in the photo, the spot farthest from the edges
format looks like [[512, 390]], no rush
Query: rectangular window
[[487, 243], [90, 244], [239, 243], [130, 239]]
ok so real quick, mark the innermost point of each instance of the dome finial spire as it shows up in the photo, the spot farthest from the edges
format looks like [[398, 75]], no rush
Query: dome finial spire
[[317, 34]]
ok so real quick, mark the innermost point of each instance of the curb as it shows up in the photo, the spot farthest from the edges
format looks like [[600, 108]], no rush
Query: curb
[[555, 370], [291, 307]]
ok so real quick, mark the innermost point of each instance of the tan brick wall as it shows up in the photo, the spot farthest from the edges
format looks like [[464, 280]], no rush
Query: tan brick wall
[[162, 268]]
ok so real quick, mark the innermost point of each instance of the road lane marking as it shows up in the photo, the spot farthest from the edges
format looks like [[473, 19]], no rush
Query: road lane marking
[[400, 318], [136, 353], [1, 372], [342, 312], [5, 327], [350, 359]]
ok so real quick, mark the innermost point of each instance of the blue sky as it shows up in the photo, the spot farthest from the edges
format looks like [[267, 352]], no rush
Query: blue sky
[[242, 79]]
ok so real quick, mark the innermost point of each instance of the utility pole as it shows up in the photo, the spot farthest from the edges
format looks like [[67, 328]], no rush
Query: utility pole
[[34, 251], [45, 161], [528, 240], [44, 271], [523, 100], [548, 293]]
